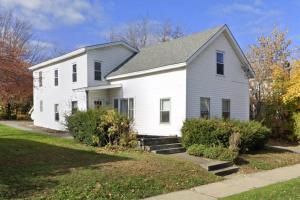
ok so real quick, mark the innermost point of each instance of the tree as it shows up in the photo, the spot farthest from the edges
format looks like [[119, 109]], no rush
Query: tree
[[270, 52], [144, 33], [16, 55], [292, 95]]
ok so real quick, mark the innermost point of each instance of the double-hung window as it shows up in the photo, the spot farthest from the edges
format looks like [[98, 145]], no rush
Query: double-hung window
[[74, 73], [97, 70], [220, 63], [204, 107], [40, 79], [74, 106], [165, 109], [56, 112], [56, 77], [226, 108]]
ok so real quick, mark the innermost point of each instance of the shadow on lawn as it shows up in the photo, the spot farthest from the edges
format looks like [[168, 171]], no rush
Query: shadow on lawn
[[26, 166]]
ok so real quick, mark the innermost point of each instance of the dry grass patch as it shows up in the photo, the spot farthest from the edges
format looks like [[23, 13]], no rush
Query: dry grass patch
[[269, 158]]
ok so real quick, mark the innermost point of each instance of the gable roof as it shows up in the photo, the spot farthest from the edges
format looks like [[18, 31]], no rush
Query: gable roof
[[81, 51], [174, 53]]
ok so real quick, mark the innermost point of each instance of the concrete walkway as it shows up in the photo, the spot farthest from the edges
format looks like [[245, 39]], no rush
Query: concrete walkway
[[234, 185], [28, 126]]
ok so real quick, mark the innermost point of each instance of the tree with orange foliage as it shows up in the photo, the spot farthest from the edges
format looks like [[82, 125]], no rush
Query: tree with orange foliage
[[16, 55]]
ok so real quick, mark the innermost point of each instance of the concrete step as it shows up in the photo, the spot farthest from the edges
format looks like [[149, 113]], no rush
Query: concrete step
[[225, 171], [159, 141], [218, 165], [162, 146], [169, 150]]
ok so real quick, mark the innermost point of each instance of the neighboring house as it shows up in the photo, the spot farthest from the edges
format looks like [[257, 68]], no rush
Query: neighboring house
[[202, 75]]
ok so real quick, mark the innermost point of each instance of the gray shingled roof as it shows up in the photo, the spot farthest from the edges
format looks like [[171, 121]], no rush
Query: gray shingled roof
[[167, 53]]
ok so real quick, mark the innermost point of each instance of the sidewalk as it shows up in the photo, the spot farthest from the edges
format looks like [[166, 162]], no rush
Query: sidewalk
[[234, 185]]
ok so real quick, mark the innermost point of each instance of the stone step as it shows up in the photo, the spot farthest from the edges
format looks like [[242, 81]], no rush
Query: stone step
[[218, 165], [169, 150], [162, 146], [226, 171], [159, 141]]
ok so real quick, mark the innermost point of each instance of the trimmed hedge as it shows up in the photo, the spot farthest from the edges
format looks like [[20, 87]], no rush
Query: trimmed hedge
[[100, 127], [215, 132], [217, 152]]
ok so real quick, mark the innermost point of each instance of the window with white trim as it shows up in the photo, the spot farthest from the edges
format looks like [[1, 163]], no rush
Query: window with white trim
[[97, 70], [74, 106], [220, 63], [165, 109], [125, 106], [204, 107], [226, 108], [56, 112], [74, 72], [40, 79], [56, 77]]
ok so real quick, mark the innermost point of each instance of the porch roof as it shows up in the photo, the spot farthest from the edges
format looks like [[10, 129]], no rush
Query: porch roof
[[99, 87]]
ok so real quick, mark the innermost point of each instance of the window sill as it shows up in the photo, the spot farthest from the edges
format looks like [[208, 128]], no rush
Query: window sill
[[220, 76]]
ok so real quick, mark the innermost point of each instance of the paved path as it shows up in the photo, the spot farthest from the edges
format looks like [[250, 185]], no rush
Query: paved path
[[28, 126], [234, 185]]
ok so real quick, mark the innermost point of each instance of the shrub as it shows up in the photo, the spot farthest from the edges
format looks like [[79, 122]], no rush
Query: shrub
[[296, 118], [206, 132], [254, 135], [216, 152], [100, 127], [214, 132]]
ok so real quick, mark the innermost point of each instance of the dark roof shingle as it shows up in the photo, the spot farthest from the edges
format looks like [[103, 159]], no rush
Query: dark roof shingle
[[167, 53]]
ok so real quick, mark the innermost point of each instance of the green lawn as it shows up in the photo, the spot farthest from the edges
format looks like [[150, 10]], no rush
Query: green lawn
[[287, 190], [34, 166], [266, 159]]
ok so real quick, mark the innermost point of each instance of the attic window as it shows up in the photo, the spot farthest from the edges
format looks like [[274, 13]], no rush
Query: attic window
[[220, 63]]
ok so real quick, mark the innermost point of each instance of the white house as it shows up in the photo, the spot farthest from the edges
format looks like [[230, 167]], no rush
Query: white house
[[204, 74]]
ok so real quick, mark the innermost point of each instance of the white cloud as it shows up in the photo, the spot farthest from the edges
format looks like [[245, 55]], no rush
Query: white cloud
[[45, 14]]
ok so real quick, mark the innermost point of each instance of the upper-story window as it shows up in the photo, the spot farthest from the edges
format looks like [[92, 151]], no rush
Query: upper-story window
[[74, 73], [97, 69], [40, 79], [56, 77], [220, 63]]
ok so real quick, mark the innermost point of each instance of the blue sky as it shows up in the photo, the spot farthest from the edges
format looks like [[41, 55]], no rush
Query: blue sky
[[70, 24]]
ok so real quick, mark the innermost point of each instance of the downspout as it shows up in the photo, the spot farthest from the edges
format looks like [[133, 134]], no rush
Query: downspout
[[87, 99]]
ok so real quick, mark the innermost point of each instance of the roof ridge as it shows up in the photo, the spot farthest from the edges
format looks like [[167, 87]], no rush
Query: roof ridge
[[184, 37]]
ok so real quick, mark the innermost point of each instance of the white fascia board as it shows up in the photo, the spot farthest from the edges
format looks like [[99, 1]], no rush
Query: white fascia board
[[57, 59], [144, 72], [79, 52], [99, 87]]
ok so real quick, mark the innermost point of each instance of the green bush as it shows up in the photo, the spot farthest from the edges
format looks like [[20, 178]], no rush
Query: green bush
[[216, 152], [253, 134], [296, 118], [100, 127], [215, 132], [206, 132]]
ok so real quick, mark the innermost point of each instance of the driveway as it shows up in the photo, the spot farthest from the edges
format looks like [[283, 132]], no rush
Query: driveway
[[28, 126]]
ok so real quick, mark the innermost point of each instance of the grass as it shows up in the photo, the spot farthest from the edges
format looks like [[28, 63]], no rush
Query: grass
[[34, 166], [279, 191], [267, 159]]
